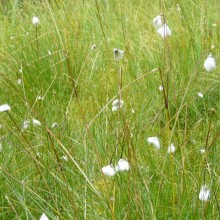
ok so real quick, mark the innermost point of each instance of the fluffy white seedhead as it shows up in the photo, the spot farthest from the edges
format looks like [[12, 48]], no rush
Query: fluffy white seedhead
[[19, 81], [158, 21], [115, 108], [5, 108], [204, 193], [36, 122], [210, 63], [161, 88], [123, 165], [171, 148], [155, 141], [200, 94], [93, 47], [202, 150], [108, 170], [44, 217], [25, 124], [54, 125], [35, 21], [118, 102], [118, 54], [64, 157], [164, 31]]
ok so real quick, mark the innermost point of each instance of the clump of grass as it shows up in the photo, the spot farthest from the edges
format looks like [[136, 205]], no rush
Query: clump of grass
[[54, 74]]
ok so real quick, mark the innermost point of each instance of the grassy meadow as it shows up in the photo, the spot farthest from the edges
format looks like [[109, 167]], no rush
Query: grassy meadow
[[52, 72]]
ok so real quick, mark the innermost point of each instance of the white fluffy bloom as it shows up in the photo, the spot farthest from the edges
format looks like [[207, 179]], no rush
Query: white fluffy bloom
[[171, 148], [108, 170], [158, 21], [161, 88], [36, 122], [5, 108], [202, 150], [25, 124], [204, 193], [64, 157], [44, 217], [35, 21], [54, 125], [155, 141], [122, 165], [200, 94], [114, 108], [164, 31], [118, 54], [93, 47], [117, 104], [19, 81], [210, 63]]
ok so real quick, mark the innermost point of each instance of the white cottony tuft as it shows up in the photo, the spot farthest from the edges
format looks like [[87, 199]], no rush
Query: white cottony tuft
[[171, 148], [44, 217], [155, 141], [54, 125], [25, 124], [161, 88], [122, 165], [36, 122], [5, 108], [118, 54], [108, 170], [158, 21], [200, 94], [93, 47], [114, 108], [64, 158], [117, 104], [204, 193], [35, 21], [210, 63], [19, 81], [202, 150], [164, 31]]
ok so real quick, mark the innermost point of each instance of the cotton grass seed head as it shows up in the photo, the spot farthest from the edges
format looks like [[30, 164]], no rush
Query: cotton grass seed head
[[122, 165], [93, 47], [117, 104], [154, 141], [204, 193], [200, 94], [161, 88], [158, 21], [25, 124], [35, 21], [54, 125], [44, 217], [108, 170], [36, 122], [5, 108], [118, 54], [210, 63], [171, 148], [164, 31]]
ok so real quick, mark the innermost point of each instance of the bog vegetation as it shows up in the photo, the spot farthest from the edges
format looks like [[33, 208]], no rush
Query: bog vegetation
[[109, 109]]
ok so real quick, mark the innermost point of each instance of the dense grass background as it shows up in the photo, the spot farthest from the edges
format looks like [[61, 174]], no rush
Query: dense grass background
[[56, 57]]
